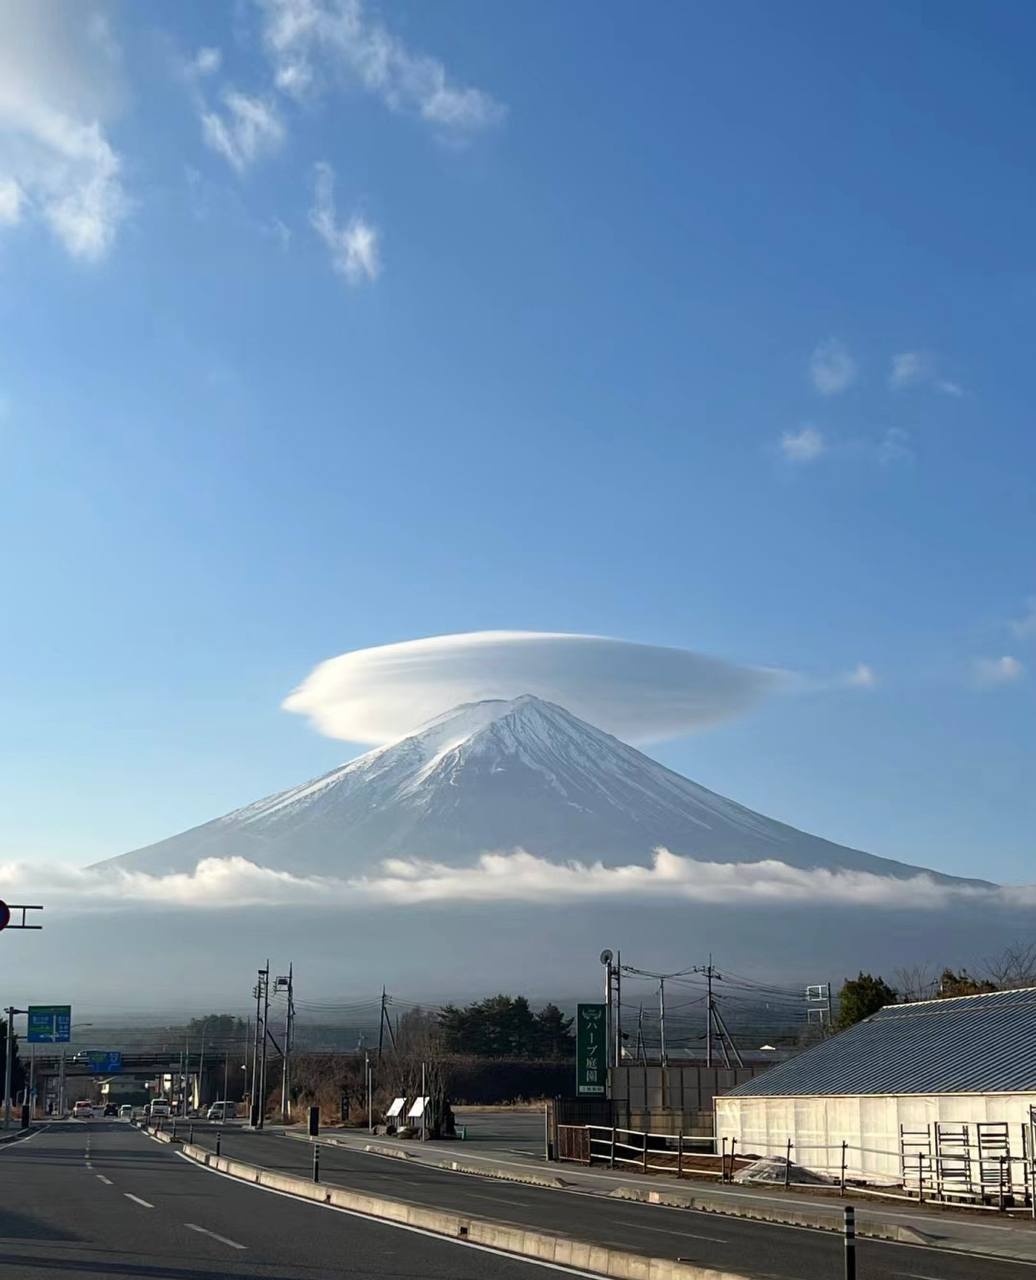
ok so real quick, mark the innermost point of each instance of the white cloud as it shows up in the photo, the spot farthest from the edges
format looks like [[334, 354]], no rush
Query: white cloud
[[990, 673], [354, 246], [313, 42], [832, 368], [59, 78], [249, 129], [636, 691], [805, 445], [206, 62], [1025, 626], [233, 883], [920, 369], [894, 446], [10, 202], [862, 676]]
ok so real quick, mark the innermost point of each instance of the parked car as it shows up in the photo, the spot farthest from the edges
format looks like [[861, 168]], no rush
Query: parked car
[[83, 1110], [126, 1111], [222, 1111]]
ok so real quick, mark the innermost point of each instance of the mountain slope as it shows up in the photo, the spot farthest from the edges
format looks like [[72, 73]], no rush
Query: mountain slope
[[497, 775]]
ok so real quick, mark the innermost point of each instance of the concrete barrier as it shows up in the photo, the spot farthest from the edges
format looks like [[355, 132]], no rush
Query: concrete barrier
[[543, 1246], [818, 1217]]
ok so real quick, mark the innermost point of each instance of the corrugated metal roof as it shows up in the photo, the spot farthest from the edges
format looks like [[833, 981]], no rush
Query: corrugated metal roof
[[970, 1044]]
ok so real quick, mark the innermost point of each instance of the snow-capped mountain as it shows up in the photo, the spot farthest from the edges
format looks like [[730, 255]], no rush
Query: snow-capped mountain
[[497, 776]]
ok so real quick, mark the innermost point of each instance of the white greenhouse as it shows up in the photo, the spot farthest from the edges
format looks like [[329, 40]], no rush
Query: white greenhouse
[[937, 1096]]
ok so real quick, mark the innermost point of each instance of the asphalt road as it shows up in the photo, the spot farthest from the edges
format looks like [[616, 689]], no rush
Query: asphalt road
[[99, 1199], [763, 1249]]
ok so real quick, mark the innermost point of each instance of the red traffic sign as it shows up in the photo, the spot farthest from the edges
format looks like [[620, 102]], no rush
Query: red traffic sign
[[5, 915]]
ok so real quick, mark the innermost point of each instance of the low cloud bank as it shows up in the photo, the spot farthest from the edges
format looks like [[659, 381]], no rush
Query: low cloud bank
[[222, 883]]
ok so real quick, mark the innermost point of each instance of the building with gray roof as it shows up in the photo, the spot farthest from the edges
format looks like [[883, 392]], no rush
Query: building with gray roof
[[939, 1092]]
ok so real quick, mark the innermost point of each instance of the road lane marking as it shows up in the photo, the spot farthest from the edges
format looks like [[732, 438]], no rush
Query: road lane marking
[[669, 1231], [398, 1226], [193, 1226], [107, 1181], [130, 1196], [729, 1218]]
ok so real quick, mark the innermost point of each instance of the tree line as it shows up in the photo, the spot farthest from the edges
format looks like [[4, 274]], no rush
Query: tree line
[[864, 995]]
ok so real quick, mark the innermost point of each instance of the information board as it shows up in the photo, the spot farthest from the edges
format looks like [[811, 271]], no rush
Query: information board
[[591, 1055], [49, 1024]]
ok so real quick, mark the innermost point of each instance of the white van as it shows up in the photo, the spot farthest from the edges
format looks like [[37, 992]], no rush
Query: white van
[[222, 1111], [159, 1107]]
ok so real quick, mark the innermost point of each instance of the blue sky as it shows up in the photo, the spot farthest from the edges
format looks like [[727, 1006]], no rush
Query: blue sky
[[705, 326]]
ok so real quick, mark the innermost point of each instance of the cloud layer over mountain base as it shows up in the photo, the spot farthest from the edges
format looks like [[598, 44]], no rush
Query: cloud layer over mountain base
[[518, 877]]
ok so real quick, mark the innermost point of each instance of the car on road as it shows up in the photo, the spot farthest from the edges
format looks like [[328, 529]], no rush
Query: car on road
[[221, 1111], [159, 1108], [83, 1110], [110, 1109], [126, 1111]]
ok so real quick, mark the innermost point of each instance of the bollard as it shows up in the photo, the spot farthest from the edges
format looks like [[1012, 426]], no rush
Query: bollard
[[723, 1162], [316, 1163], [850, 1242], [218, 1136], [174, 1128], [1000, 1204], [679, 1155], [787, 1166], [190, 1132]]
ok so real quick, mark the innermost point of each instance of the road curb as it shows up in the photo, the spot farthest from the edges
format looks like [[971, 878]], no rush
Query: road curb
[[815, 1218], [454, 1166], [539, 1246]]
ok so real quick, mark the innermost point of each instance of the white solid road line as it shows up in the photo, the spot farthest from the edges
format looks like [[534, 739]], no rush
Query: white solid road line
[[398, 1226], [669, 1231], [130, 1196], [193, 1226]]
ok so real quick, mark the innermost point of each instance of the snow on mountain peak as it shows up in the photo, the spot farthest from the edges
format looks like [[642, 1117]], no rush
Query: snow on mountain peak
[[494, 775]]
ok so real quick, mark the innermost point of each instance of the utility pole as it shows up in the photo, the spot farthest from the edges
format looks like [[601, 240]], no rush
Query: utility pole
[[286, 984], [708, 1016], [201, 1067], [381, 1025], [266, 1023], [617, 978], [255, 1096], [9, 1064], [664, 1057], [226, 1075]]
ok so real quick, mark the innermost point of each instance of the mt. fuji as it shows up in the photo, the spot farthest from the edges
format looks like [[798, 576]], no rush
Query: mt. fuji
[[497, 776]]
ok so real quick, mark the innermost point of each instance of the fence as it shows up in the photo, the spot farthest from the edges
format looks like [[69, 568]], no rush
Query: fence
[[682, 1154], [980, 1173]]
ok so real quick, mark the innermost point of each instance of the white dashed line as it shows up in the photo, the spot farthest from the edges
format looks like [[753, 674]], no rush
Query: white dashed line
[[107, 1181], [206, 1232], [138, 1200]]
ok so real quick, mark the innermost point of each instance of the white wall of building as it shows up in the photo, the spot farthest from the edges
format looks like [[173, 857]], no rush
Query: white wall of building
[[817, 1126]]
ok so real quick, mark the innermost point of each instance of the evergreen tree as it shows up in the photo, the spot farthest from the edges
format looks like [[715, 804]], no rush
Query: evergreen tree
[[860, 997], [554, 1038]]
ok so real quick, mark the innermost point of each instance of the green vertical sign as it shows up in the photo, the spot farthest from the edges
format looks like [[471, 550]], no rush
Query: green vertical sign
[[591, 1050]]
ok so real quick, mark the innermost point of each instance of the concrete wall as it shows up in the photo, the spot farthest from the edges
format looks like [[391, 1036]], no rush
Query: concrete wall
[[870, 1125]]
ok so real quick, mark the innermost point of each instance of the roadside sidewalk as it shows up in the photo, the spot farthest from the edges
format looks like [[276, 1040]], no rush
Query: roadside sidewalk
[[976, 1231]]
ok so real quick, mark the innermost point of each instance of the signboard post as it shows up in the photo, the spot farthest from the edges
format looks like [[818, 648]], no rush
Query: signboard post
[[49, 1024], [591, 1063]]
